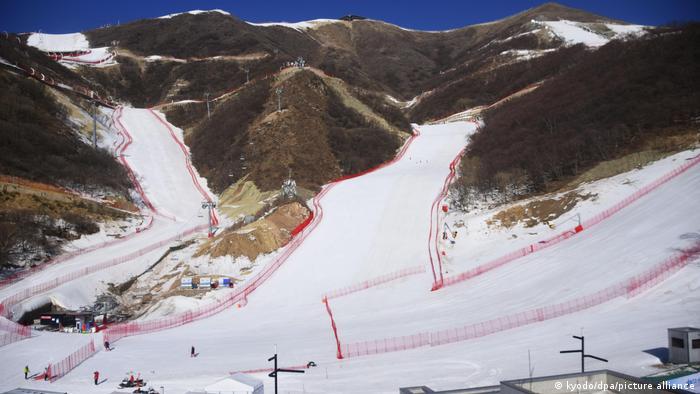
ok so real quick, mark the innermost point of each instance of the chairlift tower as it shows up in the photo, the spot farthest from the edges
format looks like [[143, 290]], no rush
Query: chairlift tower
[[206, 97], [279, 98], [209, 205], [247, 74], [289, 187]]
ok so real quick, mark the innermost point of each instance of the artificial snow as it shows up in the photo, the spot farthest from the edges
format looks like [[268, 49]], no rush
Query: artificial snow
[[58, 42], [194, 12], [377, 224]]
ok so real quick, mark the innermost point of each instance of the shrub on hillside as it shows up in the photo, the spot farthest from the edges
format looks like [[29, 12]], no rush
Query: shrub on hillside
[[605, 106], [218, 143], [36, 143]]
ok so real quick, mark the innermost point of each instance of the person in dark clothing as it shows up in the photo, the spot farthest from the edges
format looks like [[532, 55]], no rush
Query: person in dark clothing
[[96, 375], [26, 371], [107, 345], [192, 352]]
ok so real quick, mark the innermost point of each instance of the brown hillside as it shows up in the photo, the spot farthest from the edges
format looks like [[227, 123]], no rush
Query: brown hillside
[[623, 98], [315, 136]]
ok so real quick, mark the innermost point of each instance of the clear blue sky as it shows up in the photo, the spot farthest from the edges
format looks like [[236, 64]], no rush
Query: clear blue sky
[[78, 15]]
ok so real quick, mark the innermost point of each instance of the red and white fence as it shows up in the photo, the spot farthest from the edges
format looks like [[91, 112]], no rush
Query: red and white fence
[[379, 280], [240, 296], [338, 351], [127, 140], [188, 163], [434, 234], [69, 255], [532, 248], [29, 292], [61, 368], [630, 288], [12, 332]]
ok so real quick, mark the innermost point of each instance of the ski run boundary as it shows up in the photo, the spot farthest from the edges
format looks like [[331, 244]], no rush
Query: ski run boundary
[[631, 287], [602, 216], [240, 296]]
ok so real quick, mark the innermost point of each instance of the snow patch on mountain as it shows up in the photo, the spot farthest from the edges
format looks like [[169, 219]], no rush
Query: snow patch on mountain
[[624, 30], [573, 33], [58, 42], [303, 25], [193, 12]]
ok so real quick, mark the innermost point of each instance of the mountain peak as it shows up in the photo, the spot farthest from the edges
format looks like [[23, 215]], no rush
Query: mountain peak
[[556, 11]]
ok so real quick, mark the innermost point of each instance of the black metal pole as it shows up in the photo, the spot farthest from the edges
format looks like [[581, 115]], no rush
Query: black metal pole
[[273, 374], [583, 354]]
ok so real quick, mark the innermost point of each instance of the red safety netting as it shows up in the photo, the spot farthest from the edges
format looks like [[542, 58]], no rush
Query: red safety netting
[[61, 368], [48, 80], [434, 231], [240, 296], [12, 332], [126, 141], [120, 149], [28, 292], [303, 224], [69, 255], [629, 288], [339, 352], [188, 163], [500, 261], [374, 282]]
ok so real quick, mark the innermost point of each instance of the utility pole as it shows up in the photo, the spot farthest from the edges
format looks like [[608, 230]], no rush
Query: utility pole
[[274, 372], [209, 205], [279, 98], [94, 124], [206, 97], [247, 74], [583, 354]]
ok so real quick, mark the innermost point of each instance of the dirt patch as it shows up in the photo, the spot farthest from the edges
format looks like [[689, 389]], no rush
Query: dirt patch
[[244, 199], [350, 101], [538, 211], [262, 236]]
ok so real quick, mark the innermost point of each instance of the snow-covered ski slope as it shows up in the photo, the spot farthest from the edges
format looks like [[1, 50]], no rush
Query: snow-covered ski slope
[[160, 166], [377, 224]]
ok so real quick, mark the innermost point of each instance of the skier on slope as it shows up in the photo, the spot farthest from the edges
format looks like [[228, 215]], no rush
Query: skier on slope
[[26, 372], [192, 354], [96, 375]]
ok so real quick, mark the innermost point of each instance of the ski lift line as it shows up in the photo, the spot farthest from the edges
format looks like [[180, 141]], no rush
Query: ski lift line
[[600, 217], [188, 163]]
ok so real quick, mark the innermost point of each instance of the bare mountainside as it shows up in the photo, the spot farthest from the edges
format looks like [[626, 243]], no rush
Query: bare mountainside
[[371, 54]]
